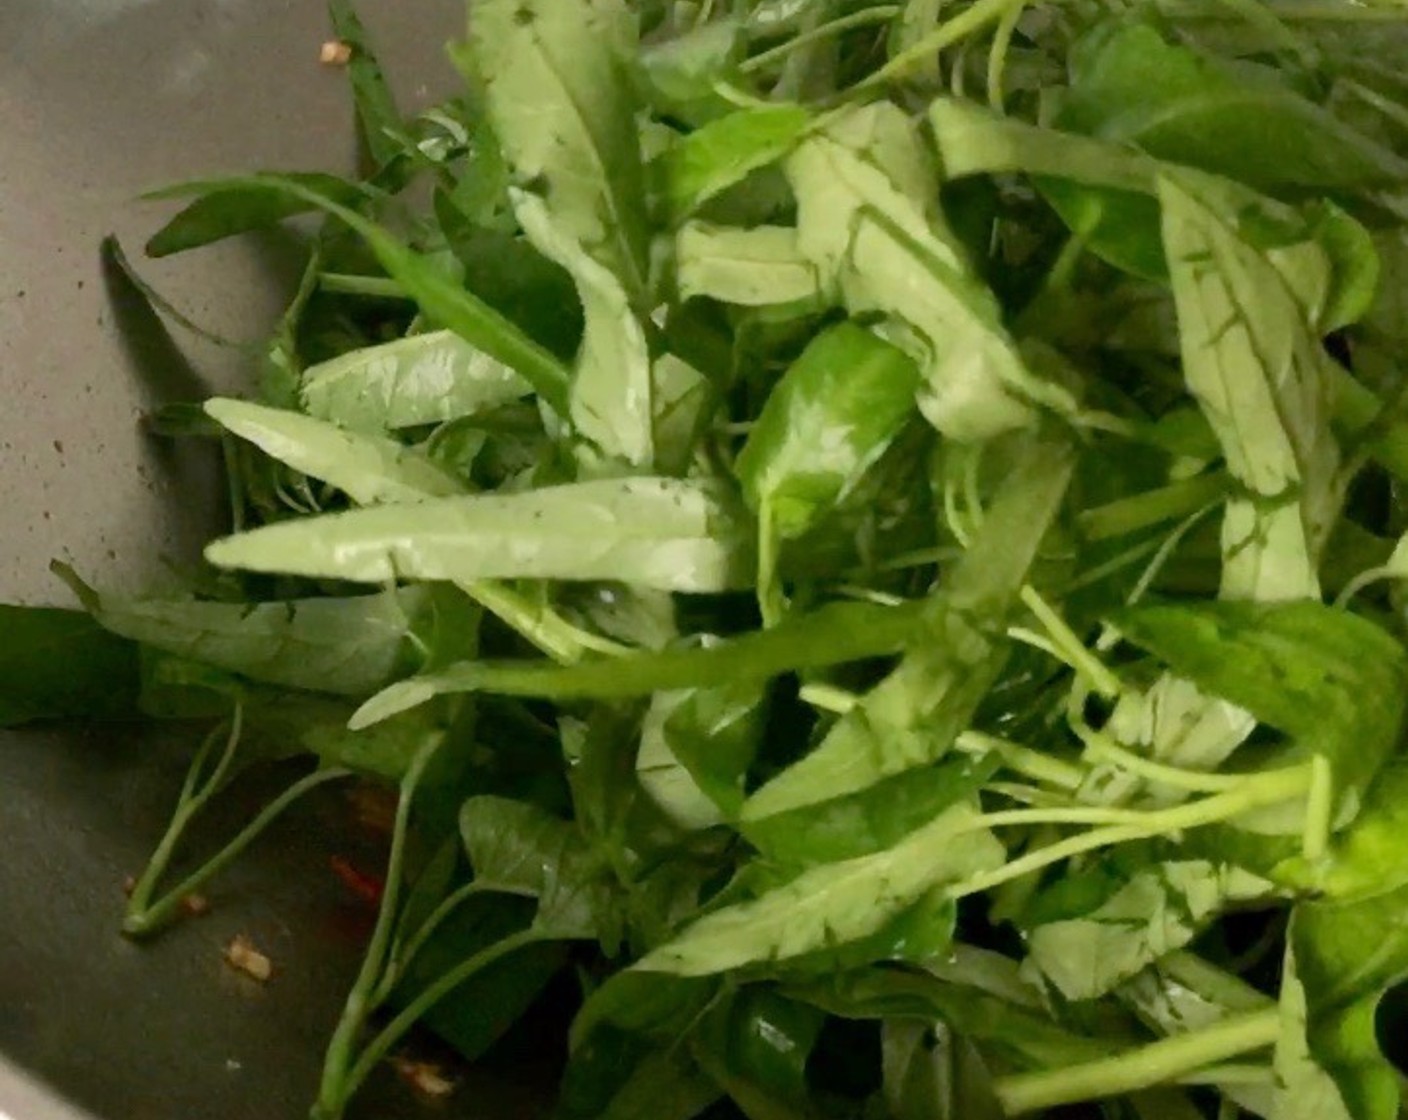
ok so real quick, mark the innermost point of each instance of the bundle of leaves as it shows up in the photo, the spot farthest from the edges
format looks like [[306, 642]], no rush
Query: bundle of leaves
[[865, 536]]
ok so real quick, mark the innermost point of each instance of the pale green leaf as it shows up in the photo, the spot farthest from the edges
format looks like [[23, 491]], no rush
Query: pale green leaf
[[349, 646], [865, 192], [723, 152], [560, 103], [611, 385], [1256, 366], [1160, 909], [421, 379], [369, 469], [760, 267], [833, 904], [656, 532]]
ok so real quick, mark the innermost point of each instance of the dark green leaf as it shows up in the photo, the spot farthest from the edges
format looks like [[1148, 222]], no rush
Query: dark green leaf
[[723, 152], [870, 820], [442, 300], [376, 108], [831, 635], [1332, 680], [345, 646], [62, 665], [224, 208], [1242, 120]]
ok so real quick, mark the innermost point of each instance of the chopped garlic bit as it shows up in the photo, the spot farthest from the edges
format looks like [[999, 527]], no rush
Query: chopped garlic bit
[[425, 1078], [242, 954], [335, 53]]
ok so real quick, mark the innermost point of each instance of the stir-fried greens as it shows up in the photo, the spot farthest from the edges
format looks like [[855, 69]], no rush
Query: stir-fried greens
[[867, 535]]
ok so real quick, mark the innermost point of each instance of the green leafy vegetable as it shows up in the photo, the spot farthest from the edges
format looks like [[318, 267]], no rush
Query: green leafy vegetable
[[63, 665], [422, 379], [830, 905], [655, 532], [560, 104], [370, 470], [346, 646], [884, 533], [723, 152]]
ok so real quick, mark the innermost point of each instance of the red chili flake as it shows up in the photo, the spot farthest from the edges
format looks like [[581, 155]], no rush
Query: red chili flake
[[368, 888]]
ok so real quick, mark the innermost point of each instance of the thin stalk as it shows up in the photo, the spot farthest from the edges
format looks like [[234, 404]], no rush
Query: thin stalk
[[1158, 1063], [828, 698], [997, 55], [1391, 109], [957, 522], [1264, 789], [1078, 814], [193, 797], [771, 604], [380, 287], [1023, 760], [1029, 795], [147, 919], [863, 18], [1116, 563], [1166, 550], [1038, 641], [234, 482], [870, 595], [1319, 809], [389, 1035], [335, 1088], [1153, 507], [541, 626], [400, 957], [1104, 749], [1364, 579], [1076, 654], [967, 22]]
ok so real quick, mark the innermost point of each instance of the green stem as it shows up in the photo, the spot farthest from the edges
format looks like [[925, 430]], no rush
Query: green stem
[[1364, 579], [1264, 789], [1319, 809], [143, 919], [389, 1035], [966, 23], [863, 18], [1104, 749], [400, 957], [1023, 760], [192, 799], [382, 287], [1034, 796], [997, 55], [1078, 814], [1153, 507], [334, 1089], [541, 626], [1158, 1063], [771, 604], [1085, 663], [1230, 1073], [1360, 412], [828, 697]]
